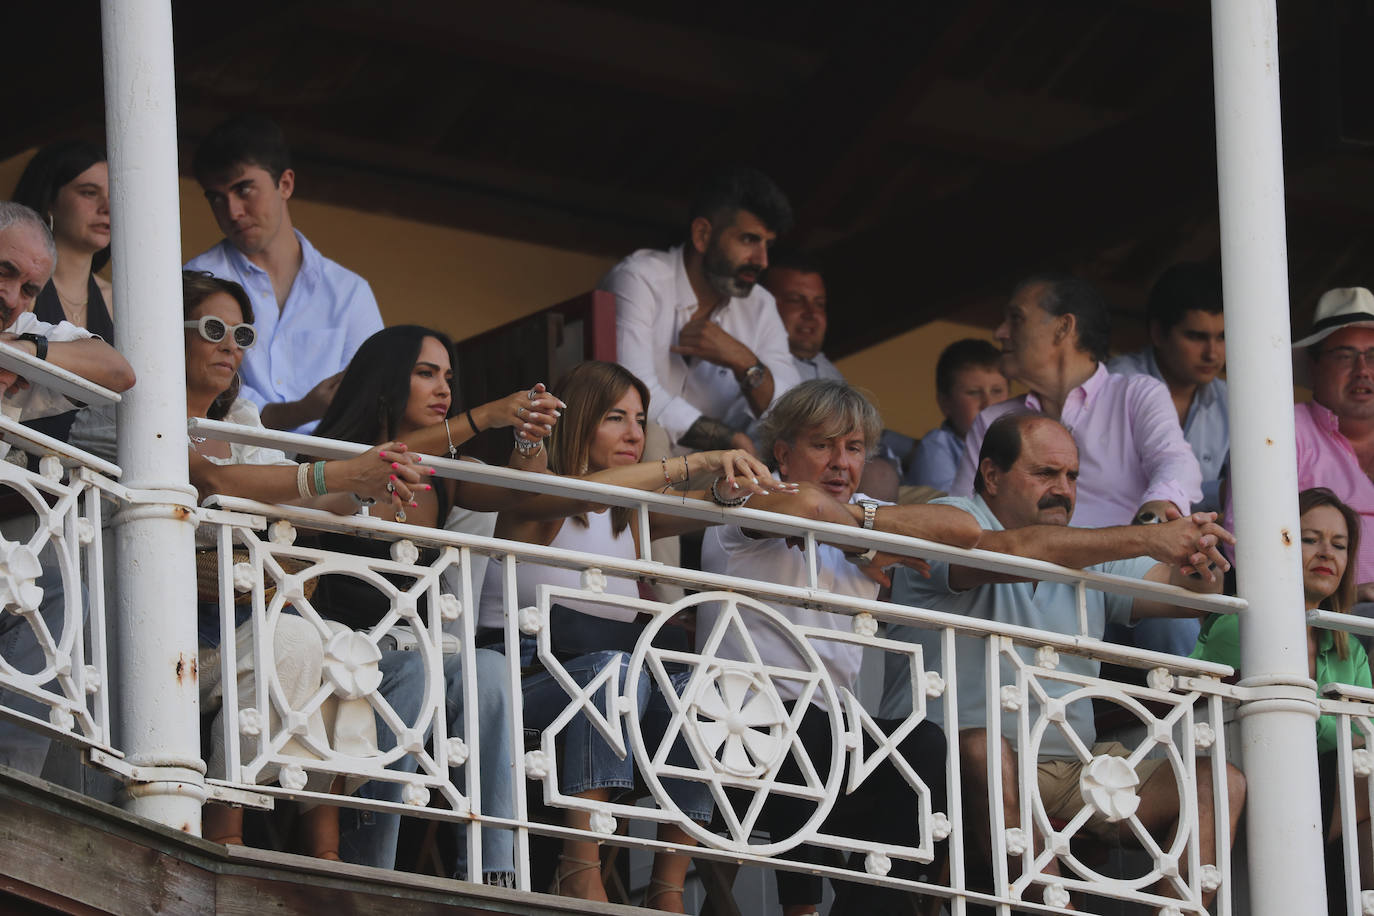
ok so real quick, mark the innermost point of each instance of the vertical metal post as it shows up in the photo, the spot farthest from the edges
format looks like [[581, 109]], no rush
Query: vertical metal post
[[159, 719], [1278, 735]]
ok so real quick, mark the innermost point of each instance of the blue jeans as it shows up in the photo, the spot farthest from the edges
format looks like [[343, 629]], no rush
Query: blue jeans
[[369, 837], [587, 760], [22, 748]]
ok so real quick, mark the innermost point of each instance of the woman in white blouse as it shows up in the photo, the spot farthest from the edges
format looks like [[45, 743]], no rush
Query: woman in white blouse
[[219, 327]]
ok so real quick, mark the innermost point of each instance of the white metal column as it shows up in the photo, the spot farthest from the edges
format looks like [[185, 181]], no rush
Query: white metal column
[[155, 610], [1278, 734]]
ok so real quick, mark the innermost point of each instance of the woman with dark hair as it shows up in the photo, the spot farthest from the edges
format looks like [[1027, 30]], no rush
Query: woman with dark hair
[[398, 386], [67, 183], [1330, 538], [219, 327], [601, 438]]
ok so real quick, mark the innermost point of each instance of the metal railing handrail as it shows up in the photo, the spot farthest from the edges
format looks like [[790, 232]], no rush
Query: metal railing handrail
[[647, 501], [41, 372]]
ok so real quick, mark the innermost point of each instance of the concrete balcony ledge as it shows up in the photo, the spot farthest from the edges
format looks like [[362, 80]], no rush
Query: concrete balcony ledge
[[61, 852]]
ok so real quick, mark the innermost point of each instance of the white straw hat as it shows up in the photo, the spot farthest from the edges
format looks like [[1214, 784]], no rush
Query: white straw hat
[[1339, 308]]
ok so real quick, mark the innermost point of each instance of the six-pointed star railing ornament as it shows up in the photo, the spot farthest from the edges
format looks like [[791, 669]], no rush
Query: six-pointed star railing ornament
[[733, 718]]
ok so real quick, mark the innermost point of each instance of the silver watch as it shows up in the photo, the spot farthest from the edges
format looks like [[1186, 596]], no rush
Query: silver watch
[[862, 559], [753, 377], [870, 507]]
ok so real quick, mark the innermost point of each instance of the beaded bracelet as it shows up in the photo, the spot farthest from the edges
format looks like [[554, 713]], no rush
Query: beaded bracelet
[[667, 481], [320, 489], [727, 503], [303, 480]]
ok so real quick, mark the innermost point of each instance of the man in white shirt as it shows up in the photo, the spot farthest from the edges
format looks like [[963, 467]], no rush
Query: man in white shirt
[[819, 435], [694, 325], [311, 314], [27, 255]]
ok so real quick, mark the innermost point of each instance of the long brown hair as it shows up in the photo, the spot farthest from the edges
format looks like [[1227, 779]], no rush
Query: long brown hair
[[196, 287], [589, 389], [1343, 598]]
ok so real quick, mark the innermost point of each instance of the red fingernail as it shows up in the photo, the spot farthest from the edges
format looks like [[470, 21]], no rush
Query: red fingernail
[[429, 486], [383, 454], [432, 472], [395, 466], [393, 476], [414, 504]]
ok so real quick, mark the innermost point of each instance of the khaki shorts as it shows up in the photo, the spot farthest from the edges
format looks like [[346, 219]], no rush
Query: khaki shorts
[[1058, 781]]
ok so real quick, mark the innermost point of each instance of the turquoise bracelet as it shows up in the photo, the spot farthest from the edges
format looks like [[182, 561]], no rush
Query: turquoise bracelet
[[319, 479]]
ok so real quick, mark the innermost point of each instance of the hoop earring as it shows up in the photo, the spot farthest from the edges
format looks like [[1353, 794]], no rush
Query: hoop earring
[[50, 229]]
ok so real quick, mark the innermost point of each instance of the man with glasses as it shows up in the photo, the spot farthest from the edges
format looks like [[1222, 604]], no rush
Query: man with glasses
[[1335, 432], [311, 312]]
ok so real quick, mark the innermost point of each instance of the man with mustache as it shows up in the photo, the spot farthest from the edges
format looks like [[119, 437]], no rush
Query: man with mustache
[[1187, 353], [311, 313], [1025, 494], [1136, 463], [27, 255], [695, 326]]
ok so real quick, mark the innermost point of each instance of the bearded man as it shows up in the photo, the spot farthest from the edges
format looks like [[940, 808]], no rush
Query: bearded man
[[695, 326]]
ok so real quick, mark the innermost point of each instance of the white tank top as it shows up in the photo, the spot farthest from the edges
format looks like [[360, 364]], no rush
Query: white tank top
[[595, 538]]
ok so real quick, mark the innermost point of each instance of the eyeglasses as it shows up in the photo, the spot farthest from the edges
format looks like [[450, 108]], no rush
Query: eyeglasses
[[1344, 357], [213, 329]]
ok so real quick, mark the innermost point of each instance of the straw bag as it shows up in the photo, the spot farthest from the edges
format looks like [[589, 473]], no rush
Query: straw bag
[[207, 576]]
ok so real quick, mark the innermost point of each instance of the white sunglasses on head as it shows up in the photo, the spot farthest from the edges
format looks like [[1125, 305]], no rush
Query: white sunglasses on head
[[213, 329]]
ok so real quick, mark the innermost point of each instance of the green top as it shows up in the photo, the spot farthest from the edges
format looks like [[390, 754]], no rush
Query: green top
[[1220, 642]]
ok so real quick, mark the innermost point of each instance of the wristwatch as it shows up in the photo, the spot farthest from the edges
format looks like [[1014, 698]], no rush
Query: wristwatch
[[862, 559], [40, 344], [753, 377], [870, 507]]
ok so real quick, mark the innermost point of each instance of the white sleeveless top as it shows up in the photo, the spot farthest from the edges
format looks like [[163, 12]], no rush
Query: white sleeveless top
[[595, 538]]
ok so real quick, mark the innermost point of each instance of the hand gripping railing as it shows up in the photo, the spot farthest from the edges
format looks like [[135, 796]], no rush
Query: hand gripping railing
[[707, 697]]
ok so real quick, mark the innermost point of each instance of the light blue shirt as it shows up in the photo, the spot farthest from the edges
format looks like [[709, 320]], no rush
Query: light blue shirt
[[1042, 605], [937, 459], [816, 367], [1207, 426], [329, 312]]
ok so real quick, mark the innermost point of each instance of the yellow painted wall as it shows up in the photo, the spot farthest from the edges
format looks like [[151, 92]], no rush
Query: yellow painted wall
[[900, 373], [460, 282], [465, 283]]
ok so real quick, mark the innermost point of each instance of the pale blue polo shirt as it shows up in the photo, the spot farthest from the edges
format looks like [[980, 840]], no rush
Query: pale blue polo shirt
[[1043, 605]]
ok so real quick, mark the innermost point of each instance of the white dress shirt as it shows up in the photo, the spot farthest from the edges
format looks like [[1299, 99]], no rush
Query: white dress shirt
[[328, 313], [654, 299], [727, 550], [36, 401]]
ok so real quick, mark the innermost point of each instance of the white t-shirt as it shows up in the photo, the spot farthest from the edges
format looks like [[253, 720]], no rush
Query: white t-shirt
[[728, 550], [595, 538]]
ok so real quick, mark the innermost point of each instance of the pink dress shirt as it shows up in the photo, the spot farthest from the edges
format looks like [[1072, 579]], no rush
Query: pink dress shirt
[[1326, 459], [1131, 449]]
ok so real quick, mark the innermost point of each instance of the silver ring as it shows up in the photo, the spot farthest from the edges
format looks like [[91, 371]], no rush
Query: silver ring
[[391, 486], [534, 395], [520, 412]]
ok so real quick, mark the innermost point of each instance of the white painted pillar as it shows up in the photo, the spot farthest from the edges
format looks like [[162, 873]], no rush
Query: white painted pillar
[[1277, 729], [159, 714]]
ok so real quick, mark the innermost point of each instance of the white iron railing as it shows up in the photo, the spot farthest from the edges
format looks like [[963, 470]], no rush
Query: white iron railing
[[719, 690], [271, 751]]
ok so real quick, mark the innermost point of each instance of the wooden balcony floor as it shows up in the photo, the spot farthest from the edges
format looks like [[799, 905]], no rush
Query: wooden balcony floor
[[61, 852]]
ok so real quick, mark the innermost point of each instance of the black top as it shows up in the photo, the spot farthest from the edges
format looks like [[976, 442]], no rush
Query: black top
[[354, 602], [47, 307]]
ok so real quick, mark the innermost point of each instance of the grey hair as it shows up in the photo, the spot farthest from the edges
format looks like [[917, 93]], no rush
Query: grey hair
[[832, 405], [12, 214]]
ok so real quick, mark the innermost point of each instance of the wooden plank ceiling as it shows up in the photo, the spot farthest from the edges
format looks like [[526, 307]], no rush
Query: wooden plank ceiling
[[935, 152]]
